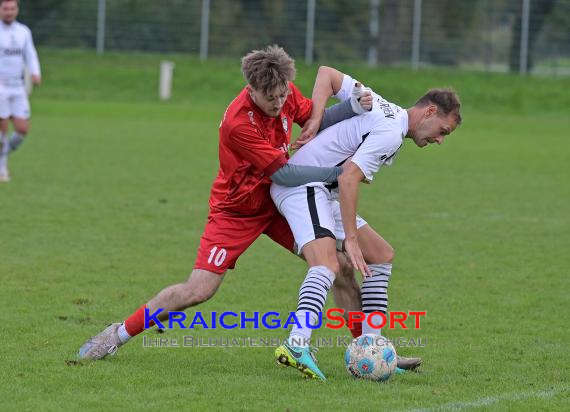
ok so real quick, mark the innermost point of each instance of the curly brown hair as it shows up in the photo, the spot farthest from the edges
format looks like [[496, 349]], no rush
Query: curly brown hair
[[267, 69]]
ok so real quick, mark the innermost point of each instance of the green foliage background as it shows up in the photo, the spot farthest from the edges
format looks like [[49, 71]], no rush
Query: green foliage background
[[454, 32]]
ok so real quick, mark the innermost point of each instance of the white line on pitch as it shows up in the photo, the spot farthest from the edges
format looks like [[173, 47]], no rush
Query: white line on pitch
[[478, 403]]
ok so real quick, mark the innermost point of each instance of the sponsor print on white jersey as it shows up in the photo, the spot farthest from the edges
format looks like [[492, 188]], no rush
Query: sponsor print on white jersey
[[371, 140], [16, 50]]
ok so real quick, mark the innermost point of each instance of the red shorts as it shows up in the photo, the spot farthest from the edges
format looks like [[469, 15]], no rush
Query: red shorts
[[227, 236]]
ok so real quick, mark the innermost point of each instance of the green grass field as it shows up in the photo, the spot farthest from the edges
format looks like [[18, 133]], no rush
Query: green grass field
[[109, 197]]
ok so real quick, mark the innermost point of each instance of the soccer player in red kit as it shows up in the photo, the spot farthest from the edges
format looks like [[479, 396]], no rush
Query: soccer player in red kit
[[255, 133]]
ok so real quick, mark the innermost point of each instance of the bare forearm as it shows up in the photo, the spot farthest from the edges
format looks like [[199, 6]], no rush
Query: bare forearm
[[348, 197], [327, 83]]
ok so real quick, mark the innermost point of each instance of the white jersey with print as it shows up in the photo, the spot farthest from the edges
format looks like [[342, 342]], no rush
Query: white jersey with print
[[371, 140], [16, 51]]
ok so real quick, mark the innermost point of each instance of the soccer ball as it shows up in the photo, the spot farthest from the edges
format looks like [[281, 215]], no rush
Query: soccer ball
[[371, 357]]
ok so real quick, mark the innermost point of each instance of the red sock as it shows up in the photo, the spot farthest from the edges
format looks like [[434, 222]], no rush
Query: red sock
[[356, 329], [135, 323]]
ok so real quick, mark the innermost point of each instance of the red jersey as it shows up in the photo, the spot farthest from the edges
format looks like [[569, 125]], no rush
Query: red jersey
[[252, 147]]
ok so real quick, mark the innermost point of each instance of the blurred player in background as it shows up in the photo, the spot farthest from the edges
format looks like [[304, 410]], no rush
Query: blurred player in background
[[319, 214], [254, 135], [17, 51]]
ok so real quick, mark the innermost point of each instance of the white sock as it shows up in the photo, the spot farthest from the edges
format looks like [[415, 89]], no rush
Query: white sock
[[124, 336], [369, 330]]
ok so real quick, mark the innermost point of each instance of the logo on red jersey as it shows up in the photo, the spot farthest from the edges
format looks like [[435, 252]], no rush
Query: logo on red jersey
[[285, 124], [251, 119]]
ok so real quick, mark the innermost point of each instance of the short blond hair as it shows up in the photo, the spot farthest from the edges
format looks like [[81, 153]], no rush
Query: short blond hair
[[266, 69]]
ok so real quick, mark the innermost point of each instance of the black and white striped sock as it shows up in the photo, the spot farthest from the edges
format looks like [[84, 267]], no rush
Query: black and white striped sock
[[312, 298], [375, 295]]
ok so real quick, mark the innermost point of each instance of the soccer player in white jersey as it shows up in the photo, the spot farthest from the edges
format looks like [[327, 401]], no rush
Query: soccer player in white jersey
[[320, 215], [16, 51]]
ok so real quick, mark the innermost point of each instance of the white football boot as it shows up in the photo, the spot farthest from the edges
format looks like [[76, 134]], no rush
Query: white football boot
[[101, 345]]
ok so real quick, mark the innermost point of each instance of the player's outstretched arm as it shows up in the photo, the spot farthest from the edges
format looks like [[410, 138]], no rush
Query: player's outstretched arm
[[327, 84], [359, 102], [251, 146]]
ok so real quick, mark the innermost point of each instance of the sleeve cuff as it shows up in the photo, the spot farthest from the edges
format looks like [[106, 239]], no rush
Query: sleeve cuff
[[275, 165], [368, 177]]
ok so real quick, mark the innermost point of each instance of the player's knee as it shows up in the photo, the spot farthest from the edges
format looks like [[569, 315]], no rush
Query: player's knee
[[384, 254], [21, 126], [23, 130], [389, 254]]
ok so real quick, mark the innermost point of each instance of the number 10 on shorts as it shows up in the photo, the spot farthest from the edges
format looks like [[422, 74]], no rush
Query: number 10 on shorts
[[218, 256]]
